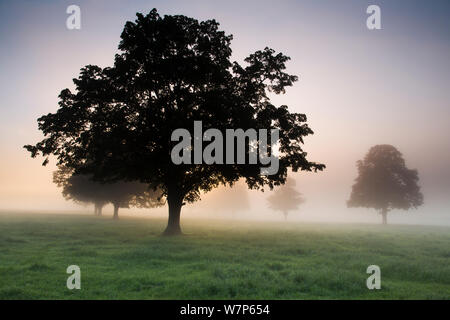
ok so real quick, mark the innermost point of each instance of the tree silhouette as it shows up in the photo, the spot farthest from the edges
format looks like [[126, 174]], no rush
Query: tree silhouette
[[82, 189], [79, 188], [385, 183], [286, 198], [170, 72]]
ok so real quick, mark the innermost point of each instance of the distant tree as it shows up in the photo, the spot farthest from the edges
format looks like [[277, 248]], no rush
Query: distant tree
[[286, 198], [79, 188], [170, 72], [122, 194], [385, 183]]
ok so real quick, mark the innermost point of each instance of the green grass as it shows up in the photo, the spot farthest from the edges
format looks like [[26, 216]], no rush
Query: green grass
[[128, 259]]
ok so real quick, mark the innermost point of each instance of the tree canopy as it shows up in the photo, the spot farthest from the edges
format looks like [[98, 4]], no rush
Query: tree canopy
[[286, 198], [385, 183], [171, 71]]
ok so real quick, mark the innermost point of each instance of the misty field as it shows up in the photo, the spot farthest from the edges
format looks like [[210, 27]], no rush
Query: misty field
[[128, 259]]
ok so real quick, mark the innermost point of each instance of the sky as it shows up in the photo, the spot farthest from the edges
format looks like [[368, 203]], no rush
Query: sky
[[358, 88]]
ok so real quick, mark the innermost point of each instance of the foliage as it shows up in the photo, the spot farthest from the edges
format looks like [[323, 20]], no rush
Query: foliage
[[122, 194], [170, 72], [384, 182], [286, 198]]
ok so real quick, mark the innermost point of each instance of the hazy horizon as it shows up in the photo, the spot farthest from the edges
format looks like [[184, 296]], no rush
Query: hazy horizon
[[357, 87]]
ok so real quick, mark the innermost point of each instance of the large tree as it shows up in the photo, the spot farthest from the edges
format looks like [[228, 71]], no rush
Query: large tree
[[230, 200], [171, 71], [385, 183], [121, 194], [286, 198]]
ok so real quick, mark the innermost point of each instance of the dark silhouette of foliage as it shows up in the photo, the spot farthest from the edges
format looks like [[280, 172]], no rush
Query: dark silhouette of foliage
[[171, 71], [286, 198], [121, 194], [385, 183], [79, 188]]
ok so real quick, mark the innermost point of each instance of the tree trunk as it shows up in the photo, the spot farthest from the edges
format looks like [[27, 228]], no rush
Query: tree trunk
[[384, 213], [116, 212], [173, 225], [98, 209]]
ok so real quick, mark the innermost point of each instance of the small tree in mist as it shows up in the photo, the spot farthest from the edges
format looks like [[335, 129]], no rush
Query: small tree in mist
[[385, 183], [121, 194], [171, 71], [286, 198], [79, 188]]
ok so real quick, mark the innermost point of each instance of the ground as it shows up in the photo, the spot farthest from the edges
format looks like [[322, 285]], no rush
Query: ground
[[128, 259]]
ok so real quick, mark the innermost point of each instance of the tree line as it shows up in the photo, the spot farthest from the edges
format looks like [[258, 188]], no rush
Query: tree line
[[121, 194], [115, 128], [384, 183]]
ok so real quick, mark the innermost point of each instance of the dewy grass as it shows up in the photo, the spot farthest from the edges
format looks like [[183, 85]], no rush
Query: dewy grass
[[128, 259]]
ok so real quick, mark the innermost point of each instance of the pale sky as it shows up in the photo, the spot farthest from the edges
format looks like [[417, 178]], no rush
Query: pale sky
[[358, 87]]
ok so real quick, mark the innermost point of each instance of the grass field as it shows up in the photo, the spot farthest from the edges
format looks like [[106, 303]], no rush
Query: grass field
[[128, 259]]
